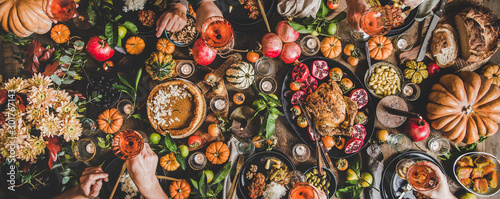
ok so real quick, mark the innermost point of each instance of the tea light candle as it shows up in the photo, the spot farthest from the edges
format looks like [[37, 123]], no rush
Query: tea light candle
[[90, 148], [186, 69], [402, 44], [199, 158], [267, 86], [408, 90], [220, 104], [127, 109], [300, 150], [311, 43]]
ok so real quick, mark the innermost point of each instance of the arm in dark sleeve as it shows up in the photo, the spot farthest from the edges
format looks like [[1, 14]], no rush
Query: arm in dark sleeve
[[183, 2]]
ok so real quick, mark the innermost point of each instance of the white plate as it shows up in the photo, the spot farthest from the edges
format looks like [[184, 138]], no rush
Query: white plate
[[495, 161]]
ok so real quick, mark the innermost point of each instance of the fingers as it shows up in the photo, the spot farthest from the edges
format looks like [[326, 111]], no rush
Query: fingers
[[90, 170], [98, 176], [95, 189], [161, 24]]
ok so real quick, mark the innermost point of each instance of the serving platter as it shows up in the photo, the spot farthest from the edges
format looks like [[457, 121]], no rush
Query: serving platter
[[491, 191], [391, 185], [302, 133], [409, 20], [259, 159]]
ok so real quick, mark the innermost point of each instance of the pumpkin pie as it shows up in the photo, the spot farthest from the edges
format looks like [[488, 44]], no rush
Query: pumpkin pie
[[176, 107]]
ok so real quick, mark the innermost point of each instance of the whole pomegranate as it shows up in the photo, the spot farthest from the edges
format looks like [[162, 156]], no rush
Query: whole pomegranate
[[203, 54], [271, 45], [99, 49], [291, 52], [417, 129], [286, 32]]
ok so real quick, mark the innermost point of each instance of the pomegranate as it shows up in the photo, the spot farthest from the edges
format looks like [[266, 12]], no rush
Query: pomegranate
[[271, 45], [300, 72], [310, 85], [298, 95], [310, 133], [353, 145], [359, 132], [417, 129], [99, 49], [203, 54], [433, 69], [291, 52], [320, 69], [360, 96], [286, 32]]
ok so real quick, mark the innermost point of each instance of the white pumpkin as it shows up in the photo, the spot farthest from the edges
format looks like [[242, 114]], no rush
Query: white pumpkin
[[240, 75]]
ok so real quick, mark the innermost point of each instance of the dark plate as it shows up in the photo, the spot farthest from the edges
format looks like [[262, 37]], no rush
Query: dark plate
[[239, 16], [391, 185], [113, 169], [369, 109], [259, 159], [330, 178], [410, 19]]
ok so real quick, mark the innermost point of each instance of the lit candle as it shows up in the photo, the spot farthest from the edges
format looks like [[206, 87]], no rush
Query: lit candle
[[199, 158], [311, 43], [90, 148], [408, 91], [300, 150], [220, 104], [267, 86], [186, 69], [127, 109], [402, 43]]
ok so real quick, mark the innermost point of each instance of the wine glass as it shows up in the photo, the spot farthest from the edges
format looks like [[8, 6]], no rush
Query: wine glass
[[422, 177], [85, 149], [401, 143], [59, 10], [376, 21], [217, 33], [89, 127], [127, 144], [245, 147]]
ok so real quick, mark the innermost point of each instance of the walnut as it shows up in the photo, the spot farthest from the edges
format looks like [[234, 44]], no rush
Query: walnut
[[253, 168], [249, 175]]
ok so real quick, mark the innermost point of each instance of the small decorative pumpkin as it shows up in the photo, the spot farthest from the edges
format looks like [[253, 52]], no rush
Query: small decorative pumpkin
[[217, 153], [179, 189], [492, 72], [165, 46], [161, 66], [380, 47], [169, 162], [465, 106], [331, 47], [135, 45], [60, 33], [110, 121], [240, 75], [24, 17], [416, 71]]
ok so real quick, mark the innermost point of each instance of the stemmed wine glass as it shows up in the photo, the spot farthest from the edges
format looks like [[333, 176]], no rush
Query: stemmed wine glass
[[127, 144], [217, 33], [375, 21], [59, 10]]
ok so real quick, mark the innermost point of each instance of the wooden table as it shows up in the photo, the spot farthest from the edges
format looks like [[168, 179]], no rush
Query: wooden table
[[8, 68]]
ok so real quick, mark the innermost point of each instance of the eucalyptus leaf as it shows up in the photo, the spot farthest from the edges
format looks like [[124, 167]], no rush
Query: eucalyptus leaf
[[56, 166], [65, 179], [57, 80], [222, 173], [131, 27], [68, 81], [170, 143], [71, 73], [70, 51], [65, 59]]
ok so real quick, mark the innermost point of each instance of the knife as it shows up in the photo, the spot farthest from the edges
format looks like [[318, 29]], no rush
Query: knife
[[316, 138], [432, 26], [368, 58], [402, 113]]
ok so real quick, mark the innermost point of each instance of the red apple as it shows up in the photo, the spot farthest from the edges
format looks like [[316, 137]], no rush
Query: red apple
[[99, 49], [417, 129], [433, 69]]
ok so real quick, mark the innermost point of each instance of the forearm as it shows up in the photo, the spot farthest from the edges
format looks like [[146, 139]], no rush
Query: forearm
[[73, 193], [153, 191], [353, 2]]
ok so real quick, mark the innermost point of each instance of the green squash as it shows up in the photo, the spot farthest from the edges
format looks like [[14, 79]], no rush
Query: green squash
[[240, 75], [161, 66]]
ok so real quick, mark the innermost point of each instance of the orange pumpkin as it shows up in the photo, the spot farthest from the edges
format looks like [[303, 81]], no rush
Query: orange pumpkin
[[492, 72], [165, 46], [110, 121], [60, 33], [331, 47], [24, 17], [135, 45], [217, 153], [179, 190], [169, 162], [380, 47]]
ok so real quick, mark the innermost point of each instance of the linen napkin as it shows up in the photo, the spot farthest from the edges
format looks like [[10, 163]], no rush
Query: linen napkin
[[234, 160], [298, 8], [376, 167]]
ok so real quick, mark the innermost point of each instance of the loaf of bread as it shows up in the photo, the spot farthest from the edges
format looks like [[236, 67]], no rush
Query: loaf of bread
[[444, 46], [478, 29]]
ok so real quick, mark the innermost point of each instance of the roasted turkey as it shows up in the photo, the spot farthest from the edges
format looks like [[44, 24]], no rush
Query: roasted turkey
[[331, 111]]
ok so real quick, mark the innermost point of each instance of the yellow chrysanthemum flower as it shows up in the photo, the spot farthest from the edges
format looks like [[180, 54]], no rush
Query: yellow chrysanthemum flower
[[71, 129], [26, 151], [18, 85], [41, 96], [49, 125], [62, 95], [39, 80], [35, 113]]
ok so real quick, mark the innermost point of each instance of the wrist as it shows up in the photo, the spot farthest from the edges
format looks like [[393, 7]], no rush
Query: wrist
[[153, 191]]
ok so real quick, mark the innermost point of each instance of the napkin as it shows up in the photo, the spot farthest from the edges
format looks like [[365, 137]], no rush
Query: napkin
[[298, 8], [376, 167], [234, 160]]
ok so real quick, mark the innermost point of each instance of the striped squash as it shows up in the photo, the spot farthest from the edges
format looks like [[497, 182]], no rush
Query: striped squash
[[161, 66], [240, 75]]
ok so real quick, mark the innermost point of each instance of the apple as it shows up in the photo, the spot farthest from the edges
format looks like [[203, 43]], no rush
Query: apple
[[99, 49], [433, 69], [417, 129]]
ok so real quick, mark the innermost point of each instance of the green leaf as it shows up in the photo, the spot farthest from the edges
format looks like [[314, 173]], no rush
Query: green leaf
[[219, 189], [124, 81], [101, 142], [163, 152], [270, 126], [300, 28], [170, 143], [275, 111], [123, 89], [323, 10], [202, 185], [71, 73], [137, 116], [57, 80], [118, 18], [222, 173], [108, 32], [67, 81], [70, 51], [181, 160], [65, 179], [138, 78], [131, 27], [308, 21], [194, 183], [100, 165], [56, 166]]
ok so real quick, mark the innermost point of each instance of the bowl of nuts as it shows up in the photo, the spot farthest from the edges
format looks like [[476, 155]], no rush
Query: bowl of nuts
[[186, 36], [384, 79]]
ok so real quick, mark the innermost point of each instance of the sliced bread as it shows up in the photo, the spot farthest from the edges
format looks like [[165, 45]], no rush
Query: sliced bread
[[444, 46]]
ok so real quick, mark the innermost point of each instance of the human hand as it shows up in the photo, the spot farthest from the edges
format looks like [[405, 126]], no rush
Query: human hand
[[206, 10], [355, 9], [174, 19], [91, 181], [442, 190], [142, 170], [411, 3]]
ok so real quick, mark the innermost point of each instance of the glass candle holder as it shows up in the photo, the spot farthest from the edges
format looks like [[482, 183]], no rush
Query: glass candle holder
[[265, 66], [267, 85], [411, 92], [85, 149], [440, 146], [185, 69], [403, 166], [309, 45], [197, 161], [404, 42], [245, 147], [126, 107], [218, 104], [301, 152], [89, 127], [401, 143]]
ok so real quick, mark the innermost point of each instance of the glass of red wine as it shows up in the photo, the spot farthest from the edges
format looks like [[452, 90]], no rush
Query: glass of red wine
[[59, 10], [217, 33], [127, 144]]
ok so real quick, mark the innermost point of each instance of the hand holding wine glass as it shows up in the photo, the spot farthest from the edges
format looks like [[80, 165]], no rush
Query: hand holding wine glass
[[355, 9], [442, 189]]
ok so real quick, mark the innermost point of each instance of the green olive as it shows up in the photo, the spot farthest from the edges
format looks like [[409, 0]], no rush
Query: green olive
[[324, 173], [327, 184], [327, 192], [323, 182], [315, 171], [323, 177]]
